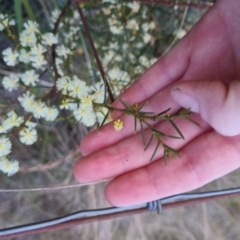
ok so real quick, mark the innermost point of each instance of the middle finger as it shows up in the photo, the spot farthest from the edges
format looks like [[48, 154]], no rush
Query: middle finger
[[129, 153]]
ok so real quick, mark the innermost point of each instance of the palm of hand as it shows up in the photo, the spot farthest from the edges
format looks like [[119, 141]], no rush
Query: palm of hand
[[210, 51]]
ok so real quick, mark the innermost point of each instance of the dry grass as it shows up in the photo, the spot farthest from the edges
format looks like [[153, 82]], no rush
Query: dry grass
[[212, 220]]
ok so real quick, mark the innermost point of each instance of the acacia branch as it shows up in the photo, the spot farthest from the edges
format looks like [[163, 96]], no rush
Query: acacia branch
[[95, 53], [54, 31], [174, 3]]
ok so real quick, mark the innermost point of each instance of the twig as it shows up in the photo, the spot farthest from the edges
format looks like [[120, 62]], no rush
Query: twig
[[52, 165], [42, 82], [45, 10], [175, 3], [54, 188], [54, 31], [180, 27], [95, 53], [88, 61]]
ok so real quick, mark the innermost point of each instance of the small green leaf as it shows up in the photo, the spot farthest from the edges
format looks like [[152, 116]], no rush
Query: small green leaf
[[145, 113], [147, 124], [165, 153], [142, 105], [171, 150], [142, 133], [161, 134], [162, 113], [194, 122], [104, 120], [174, 152], [149, 142], [125, 104], [176, 128], [155, 151], [135, 124], [158, 133]]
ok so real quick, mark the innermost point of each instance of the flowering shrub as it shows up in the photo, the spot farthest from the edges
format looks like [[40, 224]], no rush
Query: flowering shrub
[[61, 56]]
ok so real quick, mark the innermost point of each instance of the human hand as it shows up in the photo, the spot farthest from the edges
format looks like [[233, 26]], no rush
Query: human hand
[[209, 52]]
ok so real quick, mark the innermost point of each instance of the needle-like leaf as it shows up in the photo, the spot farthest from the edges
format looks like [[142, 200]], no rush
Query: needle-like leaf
[[142, 105], [165, 153], [176, 128], [161, 134], [104, 120], [125, 104], [149, 142], [170, 151], [145, 113], [135, 124], [173, 151], [161, 113], [191, 120], [155, 151], [142, 133]]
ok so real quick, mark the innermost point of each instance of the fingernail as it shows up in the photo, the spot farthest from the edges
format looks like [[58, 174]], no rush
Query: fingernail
[[185, 100]]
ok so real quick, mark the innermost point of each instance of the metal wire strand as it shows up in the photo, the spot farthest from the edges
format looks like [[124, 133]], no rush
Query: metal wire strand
[[75, 215], [154, 205]]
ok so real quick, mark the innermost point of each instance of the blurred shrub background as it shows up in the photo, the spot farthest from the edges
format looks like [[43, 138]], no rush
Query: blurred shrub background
[[49, 162]]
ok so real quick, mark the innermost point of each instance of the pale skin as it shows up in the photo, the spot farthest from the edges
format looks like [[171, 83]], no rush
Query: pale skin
[[205, 65]]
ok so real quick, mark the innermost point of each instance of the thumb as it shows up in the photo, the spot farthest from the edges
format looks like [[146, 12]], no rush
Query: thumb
[[218, 104]]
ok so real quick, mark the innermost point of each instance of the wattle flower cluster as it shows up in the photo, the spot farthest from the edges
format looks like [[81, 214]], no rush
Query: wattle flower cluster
[[34, 52]]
